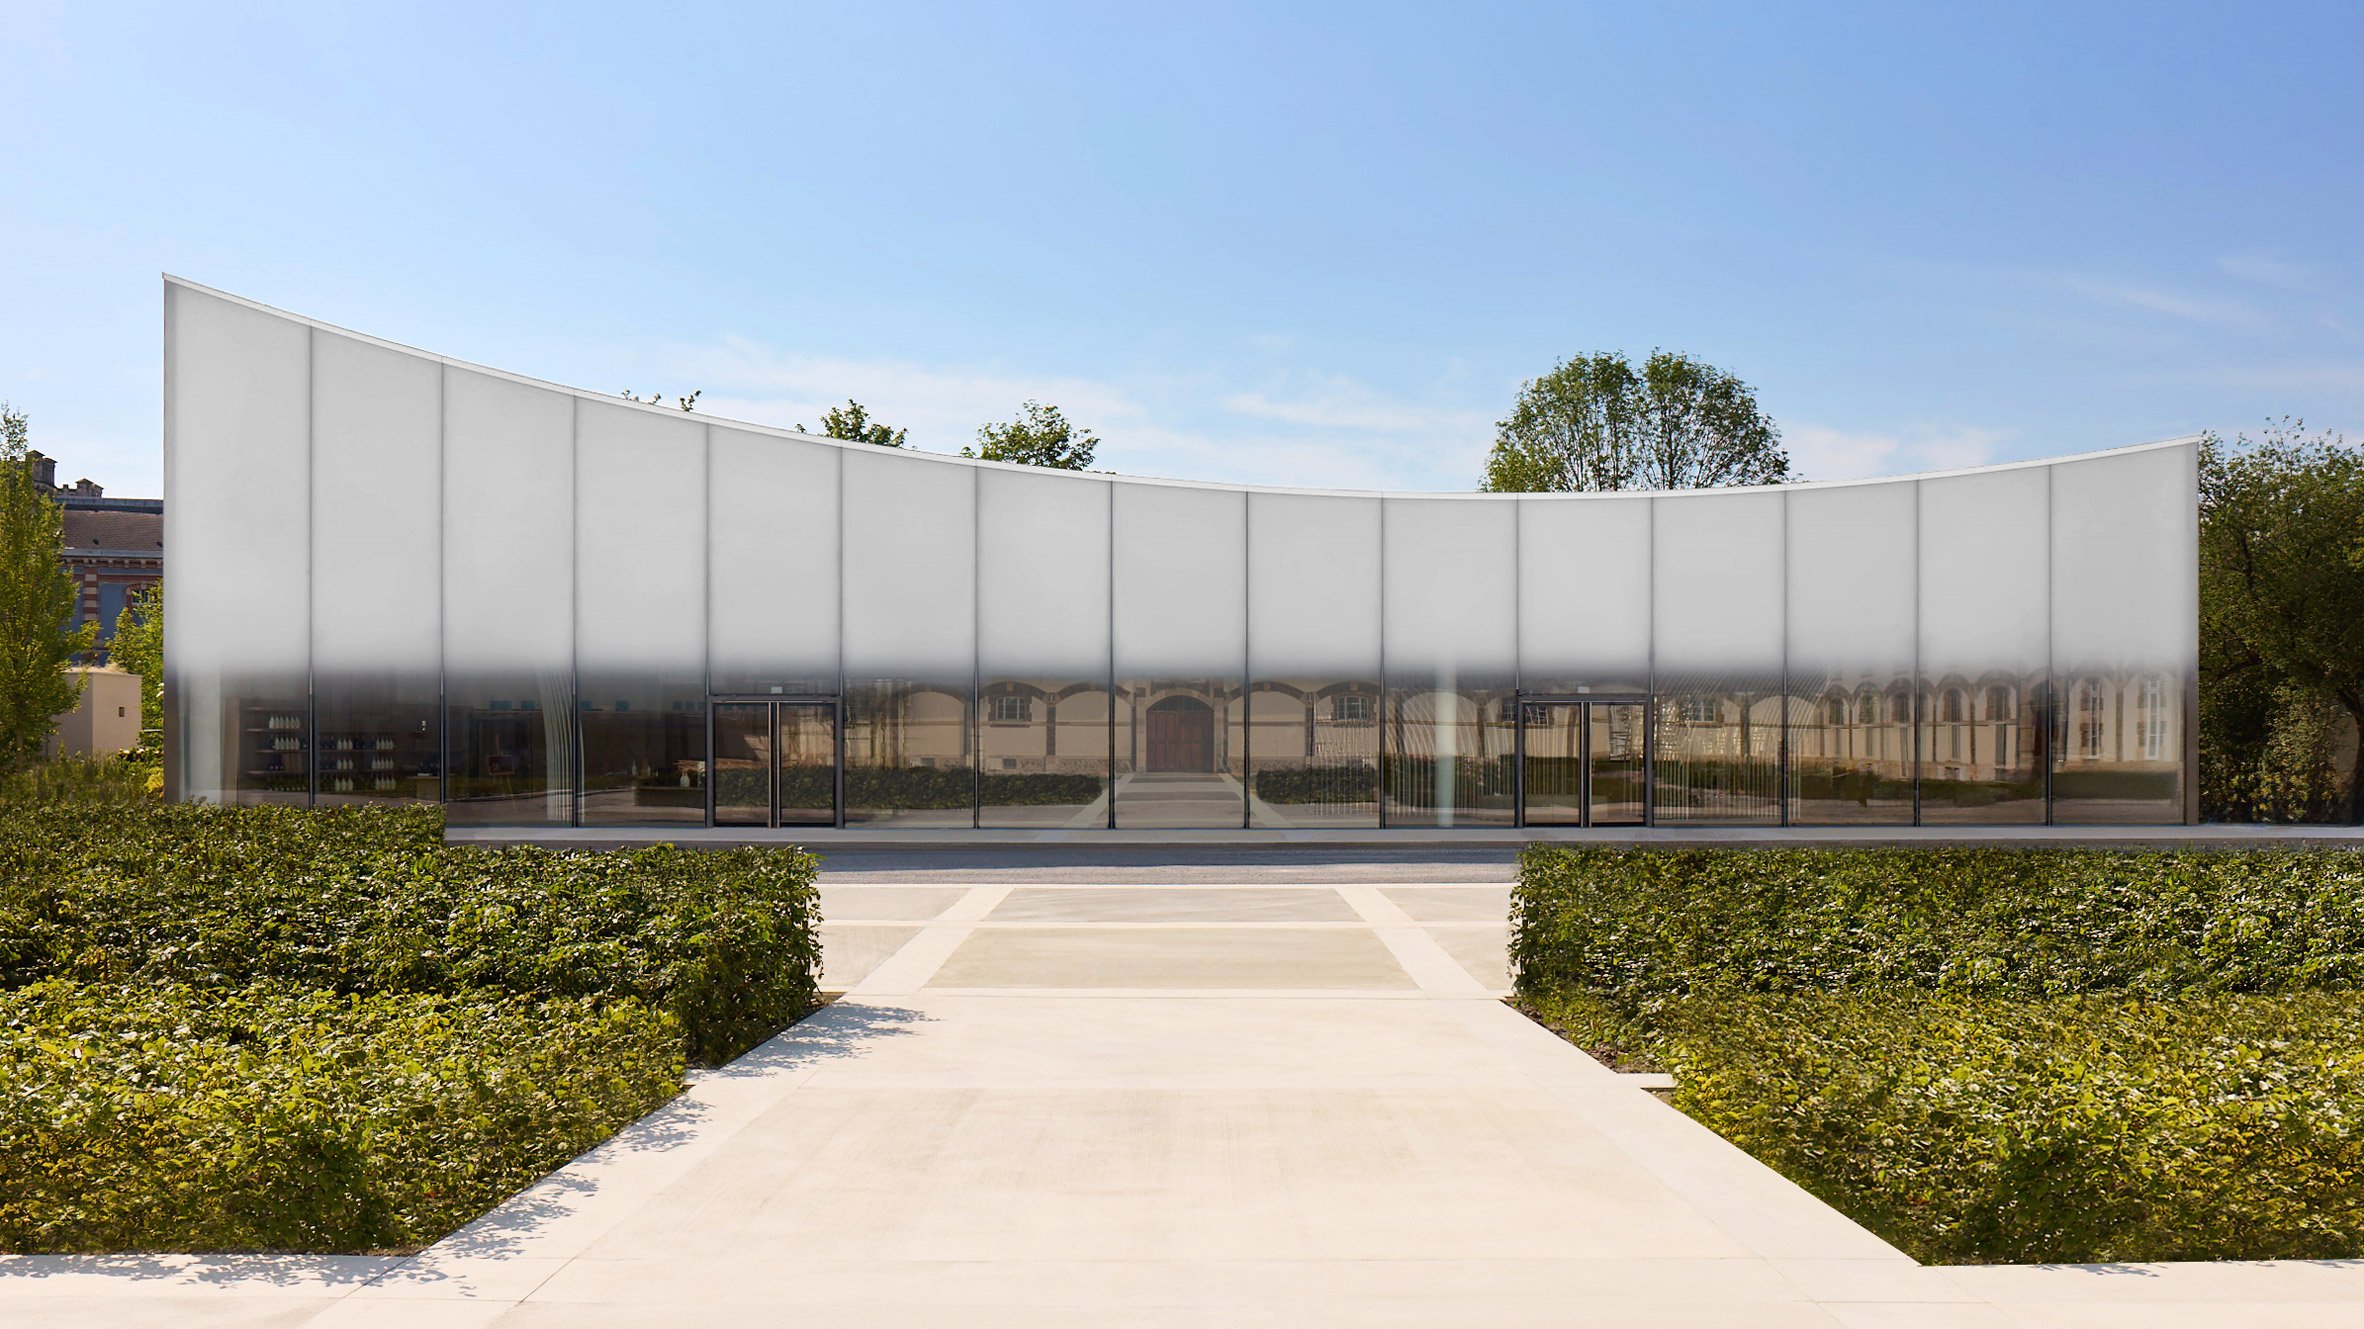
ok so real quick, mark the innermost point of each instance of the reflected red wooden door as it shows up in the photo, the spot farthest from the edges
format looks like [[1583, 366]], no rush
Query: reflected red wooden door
[[1181, 736]]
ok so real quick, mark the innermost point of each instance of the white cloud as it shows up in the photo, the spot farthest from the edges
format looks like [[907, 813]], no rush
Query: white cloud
[[941, 406], [1313, 430], [1818, 452], [2158, 300], [2266, 269], [1342, 403]]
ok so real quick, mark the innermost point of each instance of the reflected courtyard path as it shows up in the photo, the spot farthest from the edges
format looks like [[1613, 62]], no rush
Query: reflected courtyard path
[[1262, 1092]]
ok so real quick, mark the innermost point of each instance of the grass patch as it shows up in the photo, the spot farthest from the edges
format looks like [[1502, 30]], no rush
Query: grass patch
[[1991, 1055]]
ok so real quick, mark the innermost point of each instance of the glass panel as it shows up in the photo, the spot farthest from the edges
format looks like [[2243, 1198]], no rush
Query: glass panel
[[377, 494], [773, 602], [1852, 603], [1717, 592], [1617, 781], [2125, 613], [1584, 594], [1181, 643], [1042, 649], [508, 600], [910, 638], [743, 748], [1452, 661], [1985, 637], [1554, 767], [640, 605], [1313, 645], [808, 765], [237, 469]]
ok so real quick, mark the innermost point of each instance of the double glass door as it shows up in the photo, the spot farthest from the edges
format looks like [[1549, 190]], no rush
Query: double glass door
[[775, 763], [1582, 763]]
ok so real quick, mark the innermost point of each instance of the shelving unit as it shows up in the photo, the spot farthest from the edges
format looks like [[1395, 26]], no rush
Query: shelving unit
[[273, 753], [382, 758]]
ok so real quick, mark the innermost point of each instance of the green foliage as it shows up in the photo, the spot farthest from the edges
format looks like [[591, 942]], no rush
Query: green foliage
[[2084, 1129], [1639, 927], [1040, 436], [1990, 1054], [2281, 626], [921, 787], [138, 648], [278, 1118], [38, 641], [688, 403], [124, 778], [371, 900], [852, 422], [1347, 782], [239, 1028], [1595, 423]]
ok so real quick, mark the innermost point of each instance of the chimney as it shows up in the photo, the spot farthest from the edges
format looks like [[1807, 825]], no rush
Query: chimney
[[44, 470], [88, 488]]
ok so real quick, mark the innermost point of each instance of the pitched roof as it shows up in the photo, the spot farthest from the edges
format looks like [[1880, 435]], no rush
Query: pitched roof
[[138, 532]]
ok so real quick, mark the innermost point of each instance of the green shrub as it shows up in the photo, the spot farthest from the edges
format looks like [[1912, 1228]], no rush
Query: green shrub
[[371, 900], [1637, 928], [273, 1118], [2080, 1129], [1343, 783], [133, 777]]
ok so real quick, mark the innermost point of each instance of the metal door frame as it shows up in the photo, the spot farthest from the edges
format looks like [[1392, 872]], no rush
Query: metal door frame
[[1587, 700], [773, 701]]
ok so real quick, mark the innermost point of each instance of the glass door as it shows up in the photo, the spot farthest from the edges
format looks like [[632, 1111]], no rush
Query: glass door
[[1582, 763], [742, 777], [775, 763], [1615, 774], [1552, 770], [807, 763]]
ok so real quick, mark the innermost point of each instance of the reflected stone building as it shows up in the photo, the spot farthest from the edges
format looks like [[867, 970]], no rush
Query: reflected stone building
[[399, 577]]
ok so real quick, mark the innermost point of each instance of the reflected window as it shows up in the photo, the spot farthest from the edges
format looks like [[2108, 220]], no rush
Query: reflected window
[[1698, 710], [1010, 708], [2089, 708], [1350, 708], [1834, 712], [2151, 708]]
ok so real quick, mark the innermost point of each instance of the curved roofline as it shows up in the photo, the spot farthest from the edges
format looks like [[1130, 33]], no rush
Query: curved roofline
[[774, 431]]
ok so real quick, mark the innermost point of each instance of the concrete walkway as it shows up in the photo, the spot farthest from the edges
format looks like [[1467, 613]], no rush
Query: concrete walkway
[[1244, 1096]]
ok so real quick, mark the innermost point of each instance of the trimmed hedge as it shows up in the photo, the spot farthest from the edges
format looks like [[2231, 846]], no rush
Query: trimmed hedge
[[1990, 1054], [2082, 1129], [269, 1118], [1638, 927], [372, 900], [1338, 785], [269, 1028]]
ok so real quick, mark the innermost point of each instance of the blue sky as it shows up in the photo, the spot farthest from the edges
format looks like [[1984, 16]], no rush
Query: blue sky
[[1316, 245]]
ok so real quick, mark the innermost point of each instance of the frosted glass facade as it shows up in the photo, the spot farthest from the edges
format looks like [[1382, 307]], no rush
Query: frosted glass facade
[[1717, 609], [1850, 643], [1179, 561], [399, 578], [1313, 660]]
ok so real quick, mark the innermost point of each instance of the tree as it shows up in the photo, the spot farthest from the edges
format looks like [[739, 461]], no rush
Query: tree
[[1595, 423], [2281, 605], [38, 641], [852, 422], [687, 403], [1040, 436], [138, 648]]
